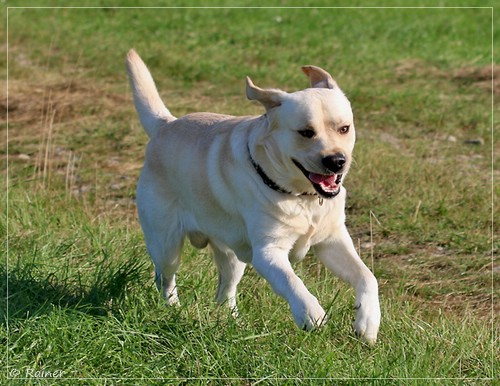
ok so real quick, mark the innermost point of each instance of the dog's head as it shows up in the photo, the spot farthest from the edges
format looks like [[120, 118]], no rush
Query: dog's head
[[308, 142]]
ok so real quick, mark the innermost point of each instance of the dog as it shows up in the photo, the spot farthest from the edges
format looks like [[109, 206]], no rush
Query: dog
[[259, 190]]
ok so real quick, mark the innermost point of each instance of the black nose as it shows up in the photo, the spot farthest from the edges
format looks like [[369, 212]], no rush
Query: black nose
[[334, 162]]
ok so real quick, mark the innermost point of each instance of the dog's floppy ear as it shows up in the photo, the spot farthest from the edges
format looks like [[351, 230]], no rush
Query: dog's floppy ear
[[269, 98], [318, 77]]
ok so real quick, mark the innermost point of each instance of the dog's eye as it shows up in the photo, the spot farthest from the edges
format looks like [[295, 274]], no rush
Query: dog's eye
[[343, 130], [307, 133]]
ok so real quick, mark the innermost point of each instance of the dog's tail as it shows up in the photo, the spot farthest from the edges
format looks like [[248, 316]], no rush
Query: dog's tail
[[152, 112]]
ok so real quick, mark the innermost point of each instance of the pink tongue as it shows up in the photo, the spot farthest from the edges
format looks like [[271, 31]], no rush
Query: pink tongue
[[327, 181]]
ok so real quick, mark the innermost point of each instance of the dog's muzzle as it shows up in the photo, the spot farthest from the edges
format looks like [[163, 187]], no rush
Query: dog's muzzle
[[327, 185]]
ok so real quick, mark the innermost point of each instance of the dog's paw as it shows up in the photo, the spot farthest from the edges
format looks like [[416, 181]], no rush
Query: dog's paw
[[309, 317], [234, 312], [171, 298], [367, 322]]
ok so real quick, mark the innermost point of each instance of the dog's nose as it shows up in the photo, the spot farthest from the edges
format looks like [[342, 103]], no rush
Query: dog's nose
[[334, 162]]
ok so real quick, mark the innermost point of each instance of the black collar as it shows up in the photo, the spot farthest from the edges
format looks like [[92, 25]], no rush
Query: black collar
[[270, 183]]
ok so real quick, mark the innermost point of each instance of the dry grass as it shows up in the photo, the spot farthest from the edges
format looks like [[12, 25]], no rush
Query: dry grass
[[479, 76], [58, 140]]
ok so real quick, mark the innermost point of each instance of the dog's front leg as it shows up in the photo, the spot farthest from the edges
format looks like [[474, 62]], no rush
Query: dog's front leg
[[339, 255], [272, 263]]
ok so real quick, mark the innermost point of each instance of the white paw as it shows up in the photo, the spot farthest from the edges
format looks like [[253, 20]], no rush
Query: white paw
[[309, 316], [172, 298], [367, 321], [234, 312]]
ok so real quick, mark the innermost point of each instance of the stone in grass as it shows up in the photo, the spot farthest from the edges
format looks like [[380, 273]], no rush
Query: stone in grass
[[474, 141]]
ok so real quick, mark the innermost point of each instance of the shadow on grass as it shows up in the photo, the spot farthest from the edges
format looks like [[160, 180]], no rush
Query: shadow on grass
[[30, 293]]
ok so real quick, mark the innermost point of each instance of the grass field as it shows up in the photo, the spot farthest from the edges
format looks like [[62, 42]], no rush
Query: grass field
[[81, 306]]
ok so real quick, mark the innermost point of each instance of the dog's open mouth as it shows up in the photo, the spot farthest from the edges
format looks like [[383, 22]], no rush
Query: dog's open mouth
[[327, 185]]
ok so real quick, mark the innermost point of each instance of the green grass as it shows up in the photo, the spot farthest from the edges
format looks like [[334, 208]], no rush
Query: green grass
[[81, 298]]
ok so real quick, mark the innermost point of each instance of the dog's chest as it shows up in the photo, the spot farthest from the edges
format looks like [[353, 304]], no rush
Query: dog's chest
[[315, 226], [313, 233], [301, 246]]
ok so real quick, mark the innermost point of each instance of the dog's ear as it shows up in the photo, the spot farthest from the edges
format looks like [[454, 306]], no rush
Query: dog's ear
[[269, 98], [318, 77]]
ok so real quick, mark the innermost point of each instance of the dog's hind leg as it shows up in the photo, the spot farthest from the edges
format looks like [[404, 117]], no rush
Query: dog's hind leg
[[230, 271], [165, 278], [165, 253], [164, 239]]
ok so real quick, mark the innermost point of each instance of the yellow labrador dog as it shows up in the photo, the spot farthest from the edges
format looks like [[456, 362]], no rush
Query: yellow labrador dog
[[259, 190]]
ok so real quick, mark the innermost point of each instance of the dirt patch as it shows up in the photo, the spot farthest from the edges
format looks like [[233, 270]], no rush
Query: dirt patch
[[484, 77], [416, 68], [67, 100], [63, 134]]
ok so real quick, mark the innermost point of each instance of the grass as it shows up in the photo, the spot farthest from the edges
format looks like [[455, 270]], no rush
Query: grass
[[82, 305]]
